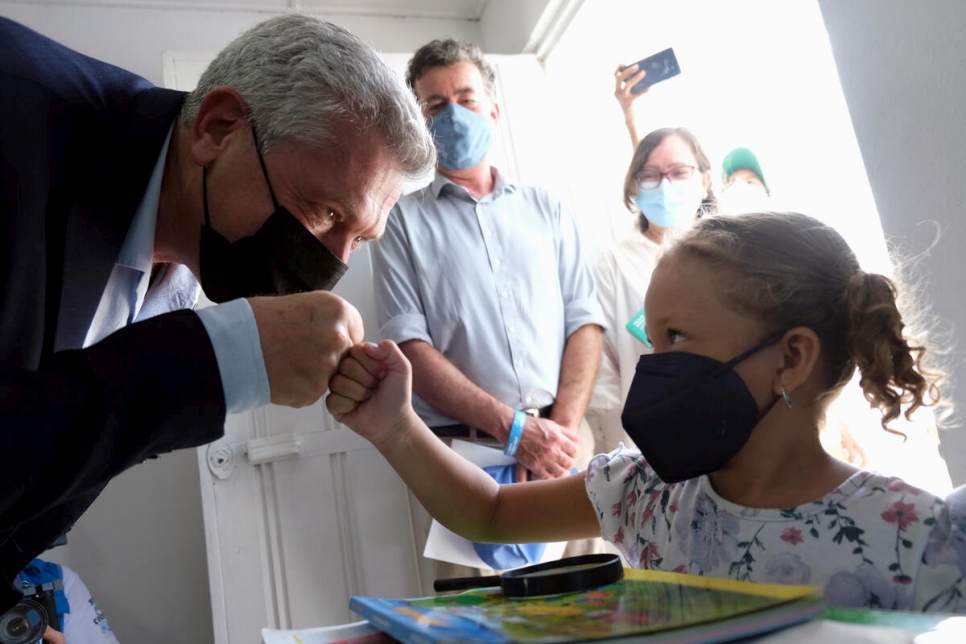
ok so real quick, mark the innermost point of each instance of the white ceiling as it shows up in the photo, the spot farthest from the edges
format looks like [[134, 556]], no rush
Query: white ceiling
[[451, 9]]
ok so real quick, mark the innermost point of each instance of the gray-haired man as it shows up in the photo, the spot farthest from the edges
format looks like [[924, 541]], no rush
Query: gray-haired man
[[117, 198]]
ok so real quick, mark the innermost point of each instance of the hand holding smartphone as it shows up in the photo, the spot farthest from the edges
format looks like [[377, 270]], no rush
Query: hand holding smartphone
[[659, 67]]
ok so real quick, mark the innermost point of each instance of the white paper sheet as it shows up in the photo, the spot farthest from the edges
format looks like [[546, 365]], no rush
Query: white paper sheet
[[357, 633], [445, 545]]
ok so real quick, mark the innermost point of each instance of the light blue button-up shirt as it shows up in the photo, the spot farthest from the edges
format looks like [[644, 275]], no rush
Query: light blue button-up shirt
[[130, 297], [496, 285]]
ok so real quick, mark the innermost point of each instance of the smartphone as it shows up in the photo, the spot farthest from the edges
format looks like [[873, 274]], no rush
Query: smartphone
[[661, 66]]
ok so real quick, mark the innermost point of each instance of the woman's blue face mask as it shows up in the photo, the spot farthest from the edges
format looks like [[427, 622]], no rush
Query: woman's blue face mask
[[673, 203], [463, 138]]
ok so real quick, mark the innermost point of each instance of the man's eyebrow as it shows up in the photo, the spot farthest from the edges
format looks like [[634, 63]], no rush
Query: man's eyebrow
[[462, 90]]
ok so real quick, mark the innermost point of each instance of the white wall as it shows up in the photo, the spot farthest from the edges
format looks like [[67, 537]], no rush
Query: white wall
[[902, 67], [141, 546], [134, 37], [506, 25]]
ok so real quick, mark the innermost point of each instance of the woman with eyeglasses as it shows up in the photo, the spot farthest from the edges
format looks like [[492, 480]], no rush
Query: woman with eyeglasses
[[668, 184]]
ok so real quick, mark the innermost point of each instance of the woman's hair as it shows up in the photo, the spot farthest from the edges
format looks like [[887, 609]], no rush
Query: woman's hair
[[305, 80], [790, 270], [643, 151], [443, 53]]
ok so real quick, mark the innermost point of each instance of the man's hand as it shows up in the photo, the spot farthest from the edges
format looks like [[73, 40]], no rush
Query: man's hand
[[547, 449], [372, 391], [303, 338]]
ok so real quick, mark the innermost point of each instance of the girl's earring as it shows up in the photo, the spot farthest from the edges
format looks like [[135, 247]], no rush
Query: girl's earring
[[786, 397]]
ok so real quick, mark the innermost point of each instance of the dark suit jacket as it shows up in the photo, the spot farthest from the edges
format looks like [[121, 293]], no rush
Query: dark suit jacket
[[78, 141]]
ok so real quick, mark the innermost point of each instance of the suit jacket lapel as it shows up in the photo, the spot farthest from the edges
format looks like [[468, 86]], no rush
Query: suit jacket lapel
[[94, 234]]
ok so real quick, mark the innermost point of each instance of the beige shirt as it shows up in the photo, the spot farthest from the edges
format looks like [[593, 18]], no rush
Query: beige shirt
[[622, 274]]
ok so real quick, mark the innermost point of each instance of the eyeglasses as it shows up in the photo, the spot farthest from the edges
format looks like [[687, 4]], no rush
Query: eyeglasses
[[651, 179]]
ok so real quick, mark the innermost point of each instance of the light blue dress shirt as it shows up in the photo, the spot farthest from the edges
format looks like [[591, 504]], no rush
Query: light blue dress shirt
[[496, 285], [130, 297]]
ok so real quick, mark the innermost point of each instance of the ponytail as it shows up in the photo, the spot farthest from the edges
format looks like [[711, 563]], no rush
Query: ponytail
[[889, 362]]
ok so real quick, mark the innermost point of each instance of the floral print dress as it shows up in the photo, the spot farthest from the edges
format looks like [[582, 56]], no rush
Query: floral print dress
[[873, 542]]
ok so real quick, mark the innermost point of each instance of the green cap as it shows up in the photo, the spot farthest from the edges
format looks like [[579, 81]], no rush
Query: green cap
[[742, 159]]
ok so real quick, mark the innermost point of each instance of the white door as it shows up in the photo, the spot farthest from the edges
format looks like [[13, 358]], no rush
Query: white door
[[301, 513]]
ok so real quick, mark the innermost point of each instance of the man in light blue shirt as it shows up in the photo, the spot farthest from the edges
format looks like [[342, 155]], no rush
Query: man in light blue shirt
[[483, 284]]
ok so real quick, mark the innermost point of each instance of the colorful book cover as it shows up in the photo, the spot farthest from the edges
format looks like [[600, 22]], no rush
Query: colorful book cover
[[667, 607]]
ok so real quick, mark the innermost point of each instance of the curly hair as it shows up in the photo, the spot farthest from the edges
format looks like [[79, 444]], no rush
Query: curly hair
[[788, 270]]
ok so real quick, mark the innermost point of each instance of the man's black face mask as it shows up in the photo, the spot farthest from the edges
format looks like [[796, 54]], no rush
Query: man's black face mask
[[281, 258]]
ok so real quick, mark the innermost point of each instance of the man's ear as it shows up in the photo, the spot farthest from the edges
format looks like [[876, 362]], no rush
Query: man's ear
[[495, 113], [801, 349], [222, 113]]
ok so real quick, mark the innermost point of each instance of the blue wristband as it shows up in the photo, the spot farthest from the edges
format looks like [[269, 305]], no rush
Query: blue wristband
[[516, 432]]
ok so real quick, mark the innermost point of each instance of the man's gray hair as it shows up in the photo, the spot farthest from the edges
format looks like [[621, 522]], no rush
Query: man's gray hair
[[443, 53], [305, 80]]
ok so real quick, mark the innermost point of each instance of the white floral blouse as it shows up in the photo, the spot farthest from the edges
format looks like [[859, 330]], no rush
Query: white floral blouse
[[874, 542]]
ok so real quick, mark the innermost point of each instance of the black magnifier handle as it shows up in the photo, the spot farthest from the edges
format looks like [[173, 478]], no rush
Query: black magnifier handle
[[465, 583], [571, 574]]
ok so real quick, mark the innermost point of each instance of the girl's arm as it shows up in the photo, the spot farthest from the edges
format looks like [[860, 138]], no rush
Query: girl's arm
[[371, 394]]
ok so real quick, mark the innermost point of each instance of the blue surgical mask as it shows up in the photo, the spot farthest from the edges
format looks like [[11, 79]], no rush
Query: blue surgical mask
[[463, 138], [673, 203]]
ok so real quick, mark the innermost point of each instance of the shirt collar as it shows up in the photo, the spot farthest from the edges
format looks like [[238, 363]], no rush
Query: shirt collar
[[500, 185], [137, 252]]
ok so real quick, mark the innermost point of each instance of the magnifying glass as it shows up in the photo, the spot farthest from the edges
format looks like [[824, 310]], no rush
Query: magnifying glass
[[567, 575]]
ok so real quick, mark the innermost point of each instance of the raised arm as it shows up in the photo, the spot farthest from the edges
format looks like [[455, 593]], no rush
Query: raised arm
[[372, 393], [624, 79]]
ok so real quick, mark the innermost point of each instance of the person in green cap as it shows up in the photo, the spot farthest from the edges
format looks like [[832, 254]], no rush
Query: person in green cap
[[744, 188], [741, 165]]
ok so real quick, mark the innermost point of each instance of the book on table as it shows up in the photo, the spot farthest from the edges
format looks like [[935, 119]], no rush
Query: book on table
[[650, 605]]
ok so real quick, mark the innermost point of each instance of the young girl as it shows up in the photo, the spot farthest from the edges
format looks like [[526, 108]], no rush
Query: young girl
[[756, 321]]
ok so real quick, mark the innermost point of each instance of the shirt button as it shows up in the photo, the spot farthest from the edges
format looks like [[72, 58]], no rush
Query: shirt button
[[505, 294], [512, 329], [520, 365], [496, 262], [529, 399]]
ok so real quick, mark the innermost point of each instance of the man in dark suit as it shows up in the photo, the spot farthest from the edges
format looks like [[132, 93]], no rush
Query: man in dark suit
[[117, 198]]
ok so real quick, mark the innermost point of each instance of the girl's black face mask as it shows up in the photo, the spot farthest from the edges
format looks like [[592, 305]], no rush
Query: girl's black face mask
[[281, 258], [690, 414]]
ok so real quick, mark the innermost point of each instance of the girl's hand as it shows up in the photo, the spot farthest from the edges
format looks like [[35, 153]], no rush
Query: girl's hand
[[372, 390]]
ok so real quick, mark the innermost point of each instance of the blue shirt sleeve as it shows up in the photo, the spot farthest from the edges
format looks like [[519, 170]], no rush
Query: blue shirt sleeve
[[581, 306], [234, 335], [398, 303]]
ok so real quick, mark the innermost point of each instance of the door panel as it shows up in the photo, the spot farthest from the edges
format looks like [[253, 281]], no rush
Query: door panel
[[300, 512]]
